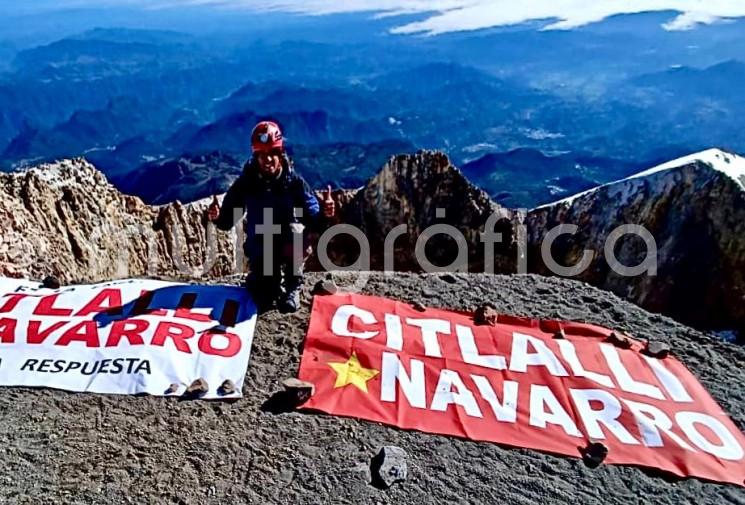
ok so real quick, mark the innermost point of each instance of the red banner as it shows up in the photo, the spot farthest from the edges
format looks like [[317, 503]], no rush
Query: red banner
[[515, 384]]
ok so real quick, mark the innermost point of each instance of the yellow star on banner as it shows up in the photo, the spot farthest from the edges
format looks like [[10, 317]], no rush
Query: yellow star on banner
[[351, 372]]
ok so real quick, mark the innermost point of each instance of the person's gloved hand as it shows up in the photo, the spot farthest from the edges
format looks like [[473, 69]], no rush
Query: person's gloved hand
[[214, 209], [329, 207]]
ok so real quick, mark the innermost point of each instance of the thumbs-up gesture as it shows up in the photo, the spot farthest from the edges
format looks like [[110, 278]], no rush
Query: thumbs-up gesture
[[214, 209], [329, 207]]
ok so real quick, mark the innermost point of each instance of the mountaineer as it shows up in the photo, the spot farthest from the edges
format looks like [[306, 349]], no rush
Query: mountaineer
[[269, 184]]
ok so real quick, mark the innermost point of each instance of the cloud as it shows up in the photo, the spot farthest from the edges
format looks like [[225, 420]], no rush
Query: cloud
[[690, 20], [443, 16], [570, 14]]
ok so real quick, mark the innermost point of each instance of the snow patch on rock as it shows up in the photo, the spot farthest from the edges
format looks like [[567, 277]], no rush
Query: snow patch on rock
[[731, 165]]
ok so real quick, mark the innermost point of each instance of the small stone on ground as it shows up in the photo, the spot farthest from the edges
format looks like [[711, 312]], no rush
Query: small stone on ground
[[389, 466]]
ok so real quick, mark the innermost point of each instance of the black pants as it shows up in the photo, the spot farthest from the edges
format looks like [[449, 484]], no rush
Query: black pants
[[283, 263]]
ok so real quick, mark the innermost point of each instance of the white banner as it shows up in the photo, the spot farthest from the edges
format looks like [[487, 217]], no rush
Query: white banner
[[125, 337]]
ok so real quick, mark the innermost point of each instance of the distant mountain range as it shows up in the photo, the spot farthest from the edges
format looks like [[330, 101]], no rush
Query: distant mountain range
[[527, 177], [554, 113], [186, 179], [191, 177], [523, 178]]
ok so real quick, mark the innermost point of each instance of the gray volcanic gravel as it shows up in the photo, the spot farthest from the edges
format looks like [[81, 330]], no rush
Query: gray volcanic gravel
[[58, 447]]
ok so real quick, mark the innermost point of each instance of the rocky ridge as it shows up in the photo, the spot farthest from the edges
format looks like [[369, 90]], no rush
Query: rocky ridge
[[410, 194], [694, 211], [66, 219]]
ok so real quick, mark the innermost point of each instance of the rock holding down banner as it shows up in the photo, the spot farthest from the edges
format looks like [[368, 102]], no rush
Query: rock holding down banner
[[517, 383], [124, 337]]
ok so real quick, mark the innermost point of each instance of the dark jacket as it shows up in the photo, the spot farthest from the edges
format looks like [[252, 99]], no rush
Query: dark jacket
[[251, 193]]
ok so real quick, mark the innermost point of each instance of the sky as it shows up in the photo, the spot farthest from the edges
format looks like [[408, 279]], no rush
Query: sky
[[443, 16]]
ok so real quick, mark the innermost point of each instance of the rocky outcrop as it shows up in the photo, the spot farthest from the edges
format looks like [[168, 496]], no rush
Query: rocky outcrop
[[66, 219], [693, 210], [422, 197]]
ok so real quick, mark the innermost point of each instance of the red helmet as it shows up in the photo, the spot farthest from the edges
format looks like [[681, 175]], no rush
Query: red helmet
[[267, 136]]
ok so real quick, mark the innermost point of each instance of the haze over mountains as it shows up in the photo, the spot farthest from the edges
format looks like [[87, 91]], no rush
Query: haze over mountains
[[531, 115]]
